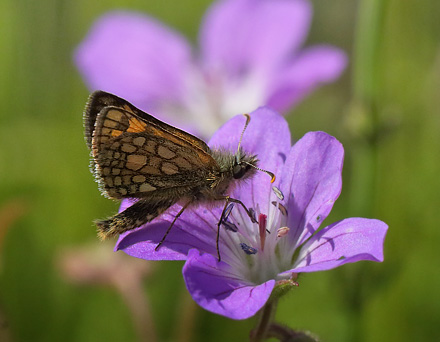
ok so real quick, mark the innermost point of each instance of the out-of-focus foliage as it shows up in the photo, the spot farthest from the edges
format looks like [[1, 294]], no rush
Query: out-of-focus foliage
[[385, 110]]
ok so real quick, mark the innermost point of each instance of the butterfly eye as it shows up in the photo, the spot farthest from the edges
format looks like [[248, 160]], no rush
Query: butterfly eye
[[239, 170]]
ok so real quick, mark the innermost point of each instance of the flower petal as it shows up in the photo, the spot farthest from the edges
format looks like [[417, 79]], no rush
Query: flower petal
[[141, 243], [134, 57], [313, 67], [349, 240], [312, 178], [214, 287], [239, 35], [195, 228], [268, 137]]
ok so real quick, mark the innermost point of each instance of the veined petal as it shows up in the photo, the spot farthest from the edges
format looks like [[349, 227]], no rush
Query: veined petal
[[312, 178], [215, 287], [238, 35], [195, 228], [141, 243], [349, 240], [135, 57], [313, 67]]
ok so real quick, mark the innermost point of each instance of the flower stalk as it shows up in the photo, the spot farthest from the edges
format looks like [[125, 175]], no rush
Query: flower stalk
[[267, 313]]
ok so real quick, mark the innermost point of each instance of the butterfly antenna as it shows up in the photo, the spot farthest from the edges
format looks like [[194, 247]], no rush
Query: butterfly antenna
[[248, 119], [265, 171]]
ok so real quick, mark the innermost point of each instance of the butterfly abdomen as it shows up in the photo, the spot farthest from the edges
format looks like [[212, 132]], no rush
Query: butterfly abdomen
[[143, 211]]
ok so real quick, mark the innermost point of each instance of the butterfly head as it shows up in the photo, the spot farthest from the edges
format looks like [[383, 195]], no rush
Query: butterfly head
[[243, 165]]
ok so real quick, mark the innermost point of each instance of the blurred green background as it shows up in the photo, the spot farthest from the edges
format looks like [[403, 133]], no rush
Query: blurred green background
[[385, 110]]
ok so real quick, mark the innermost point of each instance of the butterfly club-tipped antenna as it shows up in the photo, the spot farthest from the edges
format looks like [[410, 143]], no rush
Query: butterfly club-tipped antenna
[[238, 156], [248, 119], [271, 174]]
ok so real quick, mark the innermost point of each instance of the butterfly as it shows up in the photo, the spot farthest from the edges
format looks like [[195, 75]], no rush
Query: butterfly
[[135, 155]]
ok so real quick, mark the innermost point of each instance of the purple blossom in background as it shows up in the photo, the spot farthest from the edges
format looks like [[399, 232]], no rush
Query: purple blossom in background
[[257, 255], [250, 55]]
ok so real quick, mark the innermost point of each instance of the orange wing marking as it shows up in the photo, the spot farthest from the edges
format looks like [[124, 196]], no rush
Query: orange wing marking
[[136, 126]]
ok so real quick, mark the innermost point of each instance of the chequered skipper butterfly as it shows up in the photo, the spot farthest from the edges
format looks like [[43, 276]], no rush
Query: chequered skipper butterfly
[[134, 155]]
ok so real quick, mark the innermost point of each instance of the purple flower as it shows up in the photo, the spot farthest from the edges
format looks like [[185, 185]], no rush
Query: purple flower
[[284, 242], [249, 56]]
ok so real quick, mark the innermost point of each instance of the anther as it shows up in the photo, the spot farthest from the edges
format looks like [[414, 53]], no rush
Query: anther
[[278, 192], [252, 215], [248, 249], [282, 231], [281, 207]]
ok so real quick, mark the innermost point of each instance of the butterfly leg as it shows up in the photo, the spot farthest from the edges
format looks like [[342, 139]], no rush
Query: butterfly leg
[[172, 224], [227, 201], [218, 227], [248, 212]]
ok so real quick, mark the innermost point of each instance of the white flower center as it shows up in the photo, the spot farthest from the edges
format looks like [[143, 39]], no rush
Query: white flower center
[[257, 250], [212, 99]]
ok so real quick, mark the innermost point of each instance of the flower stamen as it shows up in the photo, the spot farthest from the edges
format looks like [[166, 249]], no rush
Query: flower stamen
[[278, 192], [281, 207], [252, 215], [281, 232]]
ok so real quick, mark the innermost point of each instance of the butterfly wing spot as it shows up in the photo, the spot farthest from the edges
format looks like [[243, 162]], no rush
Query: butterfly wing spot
[[112, 193], [136, 161], [183, 163], [139, 141], [114, 114], [150, 170], [145, 187], [150, 147], [169, 168], [110, 123], [139, 179], [165, 152], [128, 148], [116, 171], [108, 181]]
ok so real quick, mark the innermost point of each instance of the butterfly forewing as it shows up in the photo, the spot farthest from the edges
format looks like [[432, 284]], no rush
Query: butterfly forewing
[[100, 100], [134, 158]]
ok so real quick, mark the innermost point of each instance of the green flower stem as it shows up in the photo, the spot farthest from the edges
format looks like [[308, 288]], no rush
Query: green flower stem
[[285, 334], [267, 314]]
